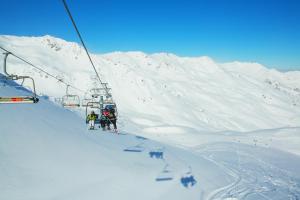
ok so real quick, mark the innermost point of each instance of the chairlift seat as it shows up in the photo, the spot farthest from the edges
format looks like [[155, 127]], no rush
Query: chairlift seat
[[18, 99]]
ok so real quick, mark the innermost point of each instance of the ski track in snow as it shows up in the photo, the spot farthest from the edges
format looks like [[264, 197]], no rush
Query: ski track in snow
[[262, 180]]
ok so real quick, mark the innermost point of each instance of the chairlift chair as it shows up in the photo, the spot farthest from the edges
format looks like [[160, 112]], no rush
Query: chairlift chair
[[70, 100], [18, 99]]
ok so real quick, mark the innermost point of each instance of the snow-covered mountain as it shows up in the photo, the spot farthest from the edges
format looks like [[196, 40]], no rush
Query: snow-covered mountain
[[168, 90], [233, 126]]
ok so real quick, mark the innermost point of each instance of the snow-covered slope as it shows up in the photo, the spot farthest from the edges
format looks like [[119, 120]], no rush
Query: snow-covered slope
[[46, 152], [167, 90]]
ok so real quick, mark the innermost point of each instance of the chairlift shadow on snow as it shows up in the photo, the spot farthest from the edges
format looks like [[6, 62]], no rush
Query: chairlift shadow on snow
[[137, 148], [165, 175], [159, 154], [140, 137], [188, 180]]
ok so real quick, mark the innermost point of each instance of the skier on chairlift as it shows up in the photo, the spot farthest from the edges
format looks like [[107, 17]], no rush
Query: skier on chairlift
[[105, 113], [91, 119], [103, 121], [112, 118]]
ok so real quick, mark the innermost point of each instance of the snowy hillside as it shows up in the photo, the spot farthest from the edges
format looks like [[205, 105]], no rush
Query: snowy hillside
[[233, 126], [47, 153]]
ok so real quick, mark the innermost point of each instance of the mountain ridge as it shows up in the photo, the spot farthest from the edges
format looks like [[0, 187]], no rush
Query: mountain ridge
[[217, 96]]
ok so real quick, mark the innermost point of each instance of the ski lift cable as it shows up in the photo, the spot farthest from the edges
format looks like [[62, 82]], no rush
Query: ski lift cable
[[40, 69], [83, 44]]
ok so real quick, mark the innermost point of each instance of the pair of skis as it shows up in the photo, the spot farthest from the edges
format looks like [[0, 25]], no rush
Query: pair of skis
[[113, 131]]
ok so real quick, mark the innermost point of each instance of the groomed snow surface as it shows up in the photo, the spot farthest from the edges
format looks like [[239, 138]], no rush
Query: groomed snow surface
[[233, 127]]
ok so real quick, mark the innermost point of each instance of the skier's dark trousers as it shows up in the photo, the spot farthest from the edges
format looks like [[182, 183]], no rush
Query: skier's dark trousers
[[112, 118], [103, 121]]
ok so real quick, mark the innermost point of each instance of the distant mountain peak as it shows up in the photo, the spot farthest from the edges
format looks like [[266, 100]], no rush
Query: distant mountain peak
[[218, 96]]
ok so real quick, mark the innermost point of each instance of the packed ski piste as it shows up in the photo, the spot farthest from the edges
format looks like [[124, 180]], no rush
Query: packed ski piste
[[130, 125]]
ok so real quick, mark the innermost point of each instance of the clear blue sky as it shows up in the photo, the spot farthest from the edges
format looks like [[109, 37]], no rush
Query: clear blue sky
[[264, 31]]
